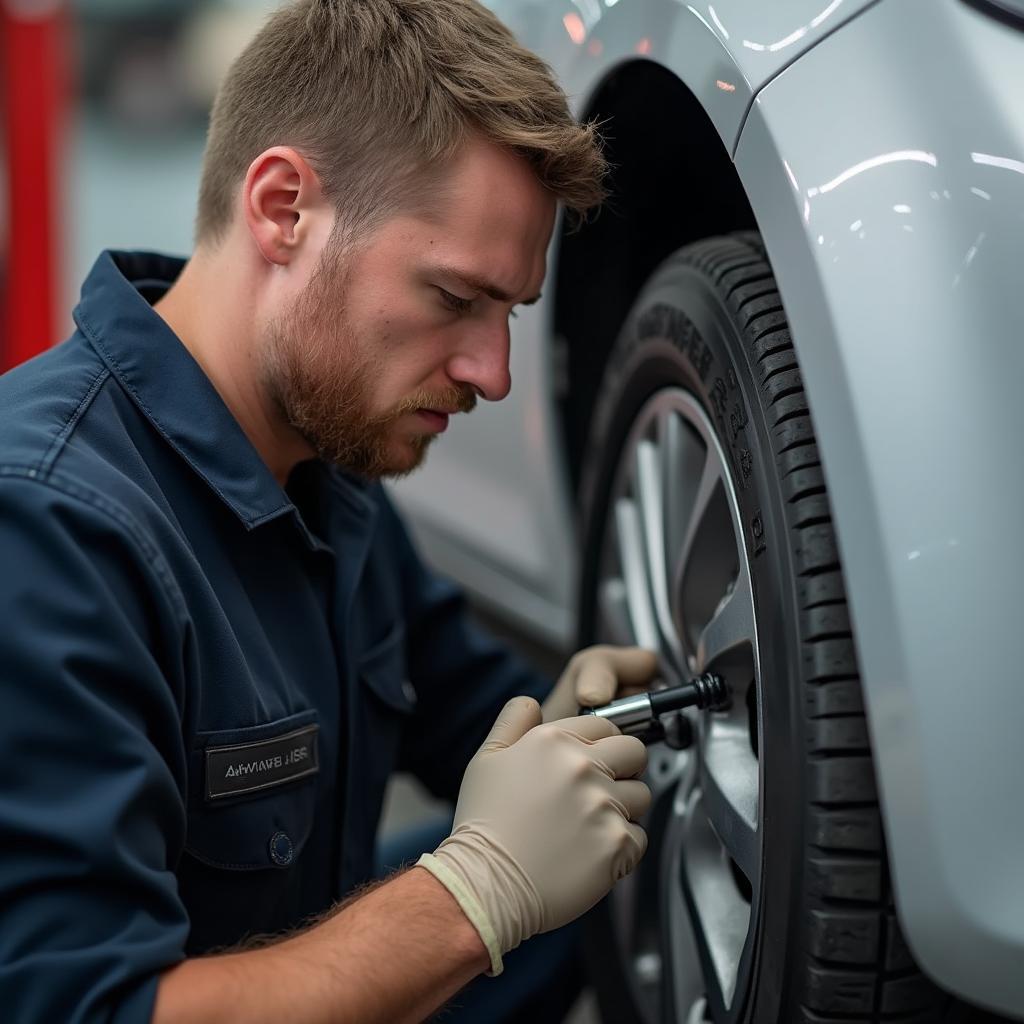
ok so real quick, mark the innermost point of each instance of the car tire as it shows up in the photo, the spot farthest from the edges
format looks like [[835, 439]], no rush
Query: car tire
[[706, 355]]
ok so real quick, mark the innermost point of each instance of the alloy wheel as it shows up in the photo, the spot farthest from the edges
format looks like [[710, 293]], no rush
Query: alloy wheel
[[674, 577]]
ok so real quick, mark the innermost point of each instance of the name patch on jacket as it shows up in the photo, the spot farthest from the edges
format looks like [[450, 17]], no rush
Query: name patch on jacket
[[247, 767]]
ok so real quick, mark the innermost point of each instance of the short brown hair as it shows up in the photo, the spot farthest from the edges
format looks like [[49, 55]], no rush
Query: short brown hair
[[374, 92]]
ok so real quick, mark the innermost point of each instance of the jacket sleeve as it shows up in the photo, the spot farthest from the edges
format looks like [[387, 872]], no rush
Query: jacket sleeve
[[92, 817], [461, 674]]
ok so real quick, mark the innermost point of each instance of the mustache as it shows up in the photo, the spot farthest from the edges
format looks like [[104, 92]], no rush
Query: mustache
[[456, 398]]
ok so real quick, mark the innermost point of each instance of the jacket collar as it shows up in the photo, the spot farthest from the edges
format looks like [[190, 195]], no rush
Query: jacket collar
[[171, 389]]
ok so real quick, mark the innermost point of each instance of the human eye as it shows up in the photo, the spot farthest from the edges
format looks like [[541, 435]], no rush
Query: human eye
[[456, 303]]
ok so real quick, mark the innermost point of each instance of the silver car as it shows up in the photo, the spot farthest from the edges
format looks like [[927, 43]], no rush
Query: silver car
[[767, 420]]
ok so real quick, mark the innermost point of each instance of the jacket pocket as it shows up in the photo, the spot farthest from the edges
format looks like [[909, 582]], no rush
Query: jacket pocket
[[253, 801]]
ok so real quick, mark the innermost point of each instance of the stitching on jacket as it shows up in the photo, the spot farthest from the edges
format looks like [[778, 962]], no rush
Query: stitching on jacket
[[134, 531], [213, 863], [50, 456], [106, 355]]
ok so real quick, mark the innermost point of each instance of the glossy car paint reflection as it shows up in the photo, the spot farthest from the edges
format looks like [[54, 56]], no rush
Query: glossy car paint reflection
[[898, 246], [881, 146]]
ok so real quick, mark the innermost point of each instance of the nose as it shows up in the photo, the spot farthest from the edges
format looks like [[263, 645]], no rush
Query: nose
[[482, 362]]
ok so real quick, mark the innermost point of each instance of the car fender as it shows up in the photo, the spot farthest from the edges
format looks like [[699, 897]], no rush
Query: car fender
[[722, 51], [493, 507], [886, 171]]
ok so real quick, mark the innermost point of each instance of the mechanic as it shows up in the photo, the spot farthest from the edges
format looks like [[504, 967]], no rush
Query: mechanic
[[218, 640]]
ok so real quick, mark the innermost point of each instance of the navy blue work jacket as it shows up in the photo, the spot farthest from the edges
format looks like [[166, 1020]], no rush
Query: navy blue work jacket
[[205, 678]]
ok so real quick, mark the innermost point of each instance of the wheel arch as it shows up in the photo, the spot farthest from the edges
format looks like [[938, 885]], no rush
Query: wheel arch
[[663, 149]]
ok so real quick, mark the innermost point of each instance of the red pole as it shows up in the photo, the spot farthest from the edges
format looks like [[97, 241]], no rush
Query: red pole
[[34, 68]]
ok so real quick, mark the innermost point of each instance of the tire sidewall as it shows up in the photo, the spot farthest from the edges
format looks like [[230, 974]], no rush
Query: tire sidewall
[[679, 333]]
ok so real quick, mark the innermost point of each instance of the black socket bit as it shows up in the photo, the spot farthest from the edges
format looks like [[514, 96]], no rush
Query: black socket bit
[[639, 715]]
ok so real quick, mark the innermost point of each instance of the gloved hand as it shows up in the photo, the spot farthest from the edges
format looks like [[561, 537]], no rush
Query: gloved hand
[[543, 824], [598, 675]]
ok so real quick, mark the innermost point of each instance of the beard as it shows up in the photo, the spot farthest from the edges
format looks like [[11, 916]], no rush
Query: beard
[[321, 380]]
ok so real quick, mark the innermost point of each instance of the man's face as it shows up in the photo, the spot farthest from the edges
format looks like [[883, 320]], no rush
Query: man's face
[[412, 323]]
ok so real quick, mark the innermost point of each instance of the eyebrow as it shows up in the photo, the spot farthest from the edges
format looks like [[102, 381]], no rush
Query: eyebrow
[[481, 284]]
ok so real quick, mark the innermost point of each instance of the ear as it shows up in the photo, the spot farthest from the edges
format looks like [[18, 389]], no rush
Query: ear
[[282, 202]]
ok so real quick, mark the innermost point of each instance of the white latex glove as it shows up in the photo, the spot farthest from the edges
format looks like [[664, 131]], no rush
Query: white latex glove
[[599, 675], [543, 825]]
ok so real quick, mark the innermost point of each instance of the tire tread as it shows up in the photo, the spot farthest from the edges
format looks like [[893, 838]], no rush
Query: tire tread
[[857, 967]]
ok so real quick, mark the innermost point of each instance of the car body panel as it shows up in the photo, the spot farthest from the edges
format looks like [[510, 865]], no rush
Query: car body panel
[[492, 508], [723, 51], [890, 194], [885, 167]]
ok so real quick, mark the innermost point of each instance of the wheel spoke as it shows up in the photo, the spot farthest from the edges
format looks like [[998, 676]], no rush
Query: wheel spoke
[[698, 1012], [729, 778], [719, 916], [682, 463], [710, 480], [638, 599], [649, 493], [669, 773], [684, 980], [731, 626]]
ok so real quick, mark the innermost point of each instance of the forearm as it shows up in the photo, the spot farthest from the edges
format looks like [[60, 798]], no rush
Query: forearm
[[393, 956]]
